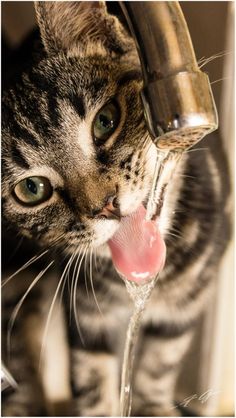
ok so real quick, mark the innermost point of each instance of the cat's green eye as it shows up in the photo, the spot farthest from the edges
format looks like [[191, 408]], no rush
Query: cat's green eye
[[33, 190], [106, 122]]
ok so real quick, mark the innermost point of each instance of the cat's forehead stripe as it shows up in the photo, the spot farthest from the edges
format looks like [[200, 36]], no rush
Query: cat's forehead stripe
[[17, 129], [24, 134], [78, 104], [18, 157]]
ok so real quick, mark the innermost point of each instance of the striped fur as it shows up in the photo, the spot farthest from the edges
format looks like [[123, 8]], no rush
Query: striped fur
[[46, 121]]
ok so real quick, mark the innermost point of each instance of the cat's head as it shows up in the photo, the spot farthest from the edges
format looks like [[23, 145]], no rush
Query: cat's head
[[76, 152]]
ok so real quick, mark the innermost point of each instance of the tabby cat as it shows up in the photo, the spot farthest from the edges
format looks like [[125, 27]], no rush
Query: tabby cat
[[76, 159]]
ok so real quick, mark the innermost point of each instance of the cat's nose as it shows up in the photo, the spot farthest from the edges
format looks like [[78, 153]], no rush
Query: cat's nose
[[110, 209]]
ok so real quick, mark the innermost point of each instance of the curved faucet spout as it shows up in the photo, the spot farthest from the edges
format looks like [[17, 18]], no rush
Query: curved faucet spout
[[177, 97]]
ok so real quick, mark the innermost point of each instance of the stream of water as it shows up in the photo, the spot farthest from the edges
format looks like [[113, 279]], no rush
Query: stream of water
[[140, 293]]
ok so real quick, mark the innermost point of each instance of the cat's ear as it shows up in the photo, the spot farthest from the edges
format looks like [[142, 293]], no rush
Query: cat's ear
[[67, 24]]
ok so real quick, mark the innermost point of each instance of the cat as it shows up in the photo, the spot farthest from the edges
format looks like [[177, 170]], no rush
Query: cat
[[76, 158]]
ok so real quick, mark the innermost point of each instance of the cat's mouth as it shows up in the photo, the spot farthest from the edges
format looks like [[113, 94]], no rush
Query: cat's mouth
[[137, 247]]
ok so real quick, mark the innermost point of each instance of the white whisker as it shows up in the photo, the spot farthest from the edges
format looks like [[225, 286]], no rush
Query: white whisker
[[31, 261], [20, 303], [204, 61], [50, 313], [95, 259], [67, 276], [173, 235], [219, 79], [195, 150], [186, 176], [74, 297], [78, 254], [91, 282], [86, 273], [27, 264]]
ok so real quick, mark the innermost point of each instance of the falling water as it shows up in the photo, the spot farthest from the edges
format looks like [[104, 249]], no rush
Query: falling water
[[140, 293], [165, 167]]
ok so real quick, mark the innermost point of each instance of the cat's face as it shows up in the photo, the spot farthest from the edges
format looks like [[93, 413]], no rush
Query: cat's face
[[77, 155]]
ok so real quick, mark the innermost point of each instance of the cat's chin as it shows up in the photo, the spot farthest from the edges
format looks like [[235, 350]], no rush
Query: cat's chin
[[103, 232]]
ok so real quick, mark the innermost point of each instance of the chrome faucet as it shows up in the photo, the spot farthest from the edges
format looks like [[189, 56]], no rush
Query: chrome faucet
[[177, 97]]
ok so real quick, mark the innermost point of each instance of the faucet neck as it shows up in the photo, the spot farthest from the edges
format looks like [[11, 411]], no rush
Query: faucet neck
[[176, 95]]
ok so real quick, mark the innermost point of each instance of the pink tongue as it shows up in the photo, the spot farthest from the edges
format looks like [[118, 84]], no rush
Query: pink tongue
[[137, 248]]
